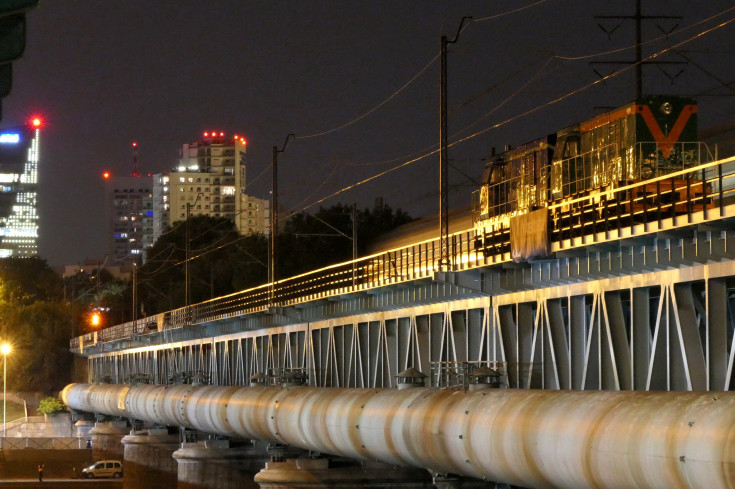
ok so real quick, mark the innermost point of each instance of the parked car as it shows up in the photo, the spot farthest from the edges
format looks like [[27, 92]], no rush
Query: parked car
[[103, 468]]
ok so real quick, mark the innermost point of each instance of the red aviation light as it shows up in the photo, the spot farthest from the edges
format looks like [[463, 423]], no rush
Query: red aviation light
[[206, 134], [135, 144], [106, 175], [35, 122]]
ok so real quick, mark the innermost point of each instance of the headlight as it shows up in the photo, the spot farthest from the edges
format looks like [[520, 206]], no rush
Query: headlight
[[666, 108]]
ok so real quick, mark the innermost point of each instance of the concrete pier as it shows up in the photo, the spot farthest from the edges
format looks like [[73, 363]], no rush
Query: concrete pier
[[149, 459], [214, 464], [106, 440], [317, 473]]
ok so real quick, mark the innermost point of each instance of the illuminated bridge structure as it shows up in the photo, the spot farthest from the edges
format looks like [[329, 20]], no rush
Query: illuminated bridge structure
[[636, 294], [642, 305]]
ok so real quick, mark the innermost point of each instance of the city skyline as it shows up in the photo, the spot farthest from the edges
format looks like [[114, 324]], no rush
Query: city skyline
[[357, 84]]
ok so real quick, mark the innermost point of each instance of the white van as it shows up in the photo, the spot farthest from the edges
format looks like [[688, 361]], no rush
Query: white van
[[103, 468]]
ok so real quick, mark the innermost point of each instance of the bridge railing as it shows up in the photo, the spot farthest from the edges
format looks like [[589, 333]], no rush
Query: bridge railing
[[414, 262], [706, 188]]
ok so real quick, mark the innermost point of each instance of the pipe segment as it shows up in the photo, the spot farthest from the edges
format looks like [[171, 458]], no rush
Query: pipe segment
[[530, 438]]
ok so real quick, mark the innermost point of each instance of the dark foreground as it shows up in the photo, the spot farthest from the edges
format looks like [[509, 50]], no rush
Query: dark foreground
[[61, 483]]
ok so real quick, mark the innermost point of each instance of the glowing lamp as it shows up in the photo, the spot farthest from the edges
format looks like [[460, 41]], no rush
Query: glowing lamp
[[206, 134], [106, 175], [95, 319], [135, 144], [36, 122]]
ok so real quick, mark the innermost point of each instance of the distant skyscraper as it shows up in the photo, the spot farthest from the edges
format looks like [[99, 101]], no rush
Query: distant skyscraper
[[19, 190], [209, 180], [129, 206]]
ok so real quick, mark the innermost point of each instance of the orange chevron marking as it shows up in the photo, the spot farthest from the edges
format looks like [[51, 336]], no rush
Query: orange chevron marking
[[666, 143]]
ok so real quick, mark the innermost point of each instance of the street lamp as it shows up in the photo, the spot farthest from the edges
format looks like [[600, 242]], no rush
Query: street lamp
[[4, 349]]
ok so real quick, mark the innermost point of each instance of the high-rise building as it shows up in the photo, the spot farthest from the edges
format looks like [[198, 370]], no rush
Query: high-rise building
[[160, 205], [211, 180], [129, 206], [19, 190]]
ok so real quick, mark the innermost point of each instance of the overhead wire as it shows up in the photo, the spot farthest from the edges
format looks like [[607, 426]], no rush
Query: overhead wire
[[513, 95], [414, 77], [650, 41], [596, 82], [525, 113], [360, 117], [502, 14]]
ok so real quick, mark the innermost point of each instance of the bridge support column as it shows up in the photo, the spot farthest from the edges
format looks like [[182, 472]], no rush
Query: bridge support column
[[149, 459], [106, 437], [213, 464], [316, 473], [82, 429]]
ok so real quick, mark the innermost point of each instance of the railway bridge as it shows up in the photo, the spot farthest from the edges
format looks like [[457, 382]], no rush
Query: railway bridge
[[603, 357]]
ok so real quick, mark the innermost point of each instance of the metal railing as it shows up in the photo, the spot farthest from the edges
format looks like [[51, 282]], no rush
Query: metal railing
[[46, 443]]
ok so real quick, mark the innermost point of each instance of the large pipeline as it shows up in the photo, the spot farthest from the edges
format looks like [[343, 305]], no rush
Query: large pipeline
[[531, 438]]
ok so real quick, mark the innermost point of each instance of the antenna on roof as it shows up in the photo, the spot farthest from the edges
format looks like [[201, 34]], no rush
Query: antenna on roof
[[135, 160]]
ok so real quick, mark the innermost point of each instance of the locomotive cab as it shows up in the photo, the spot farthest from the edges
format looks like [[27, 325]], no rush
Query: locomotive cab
[[645, 139]]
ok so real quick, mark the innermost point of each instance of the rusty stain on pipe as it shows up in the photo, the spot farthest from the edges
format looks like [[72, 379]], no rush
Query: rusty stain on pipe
[[531, 438]]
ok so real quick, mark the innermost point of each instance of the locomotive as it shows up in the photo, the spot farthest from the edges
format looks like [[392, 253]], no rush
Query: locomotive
[[572, 175]]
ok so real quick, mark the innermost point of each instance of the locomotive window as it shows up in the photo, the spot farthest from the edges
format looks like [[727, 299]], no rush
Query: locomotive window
[[571, 148]]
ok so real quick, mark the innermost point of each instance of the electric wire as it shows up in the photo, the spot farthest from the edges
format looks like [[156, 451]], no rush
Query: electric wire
[[503, 102], [596, 82], [413, 78], [662, 37], [509, 12], [523, 114], [391, 97]]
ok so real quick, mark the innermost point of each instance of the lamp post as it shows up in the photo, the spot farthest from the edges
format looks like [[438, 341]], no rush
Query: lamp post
[[4, 349]]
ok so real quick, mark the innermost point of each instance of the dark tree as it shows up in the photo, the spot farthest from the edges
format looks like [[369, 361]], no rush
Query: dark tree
[[213, 250], [39, 334], [37, 323], [26, 280], [223, 262], [309, 242]]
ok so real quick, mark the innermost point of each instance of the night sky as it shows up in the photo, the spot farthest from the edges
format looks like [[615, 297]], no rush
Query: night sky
[[356, 82]]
